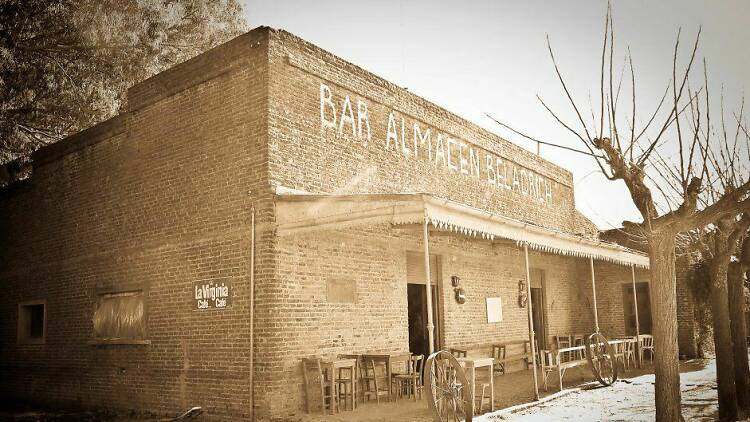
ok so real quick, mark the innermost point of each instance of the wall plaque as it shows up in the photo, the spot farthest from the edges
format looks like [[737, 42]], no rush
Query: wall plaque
[[494, 309], [212, 295]]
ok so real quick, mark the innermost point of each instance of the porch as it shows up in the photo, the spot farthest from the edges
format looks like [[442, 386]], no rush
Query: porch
[[512, 389], [395, 274]]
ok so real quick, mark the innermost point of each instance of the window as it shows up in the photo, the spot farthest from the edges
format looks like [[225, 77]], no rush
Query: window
[[32, 322], [120, 318]]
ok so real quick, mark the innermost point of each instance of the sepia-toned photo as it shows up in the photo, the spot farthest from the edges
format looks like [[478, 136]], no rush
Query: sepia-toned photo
[[375, 211]]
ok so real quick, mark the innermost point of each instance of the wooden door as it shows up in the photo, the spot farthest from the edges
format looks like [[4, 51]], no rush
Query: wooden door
[[537, 316]]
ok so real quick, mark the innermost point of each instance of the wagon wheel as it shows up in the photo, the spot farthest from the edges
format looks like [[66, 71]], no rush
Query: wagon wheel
[[601, 358], [448, 391]]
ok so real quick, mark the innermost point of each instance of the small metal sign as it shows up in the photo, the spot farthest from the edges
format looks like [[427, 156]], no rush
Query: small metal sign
[[212, 295]]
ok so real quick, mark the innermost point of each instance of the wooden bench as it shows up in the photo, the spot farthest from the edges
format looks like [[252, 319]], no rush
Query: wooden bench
[[512, 351], [562, 360]]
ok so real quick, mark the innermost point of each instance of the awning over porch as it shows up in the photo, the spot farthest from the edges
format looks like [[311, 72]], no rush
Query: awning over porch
[[297, 212]]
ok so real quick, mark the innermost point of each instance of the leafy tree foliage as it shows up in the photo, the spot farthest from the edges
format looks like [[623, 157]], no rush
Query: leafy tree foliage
[[66, 64]]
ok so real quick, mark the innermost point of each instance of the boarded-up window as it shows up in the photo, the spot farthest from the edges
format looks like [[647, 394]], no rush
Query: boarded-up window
[[120, 316], [415, 273], [341, 291]]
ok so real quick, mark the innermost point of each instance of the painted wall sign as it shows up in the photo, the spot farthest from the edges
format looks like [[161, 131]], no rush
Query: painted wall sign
[[212, 295], [414, 140]]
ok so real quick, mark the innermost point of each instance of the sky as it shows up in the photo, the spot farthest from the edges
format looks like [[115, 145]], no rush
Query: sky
[[477, 57]]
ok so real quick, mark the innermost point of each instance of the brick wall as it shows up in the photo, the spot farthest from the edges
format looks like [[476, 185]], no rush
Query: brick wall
[[308, 155], [374, 259], [610, 279], [159, 198], [495, 271]]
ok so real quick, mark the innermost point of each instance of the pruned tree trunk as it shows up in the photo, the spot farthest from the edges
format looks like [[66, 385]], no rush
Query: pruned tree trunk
[[735, 281], [664, 306], [722, 332]]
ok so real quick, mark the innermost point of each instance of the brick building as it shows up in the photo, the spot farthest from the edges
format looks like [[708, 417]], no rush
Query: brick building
[[267, 201]]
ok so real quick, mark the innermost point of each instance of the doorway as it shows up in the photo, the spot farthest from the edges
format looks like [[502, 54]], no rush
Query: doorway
[[644, 308], [417, 303], [537, 301], [418, 338]]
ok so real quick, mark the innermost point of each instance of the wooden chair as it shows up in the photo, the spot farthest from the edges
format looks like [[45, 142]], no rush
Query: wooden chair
[[412, 380], [629, 352], [316, 385], [647, 345], [498, 353], [483, 385], [618, 349], [562, 342], [374, 384], [458, 353], [346, 386], [579, 340], [358, 373]]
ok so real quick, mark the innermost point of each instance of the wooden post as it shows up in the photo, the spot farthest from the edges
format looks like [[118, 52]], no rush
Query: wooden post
[[593, 288], [637, 322], [531, 320], [430, 324]]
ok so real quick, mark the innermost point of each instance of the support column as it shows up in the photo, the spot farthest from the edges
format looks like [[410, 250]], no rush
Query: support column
[[531, 320], [593, 288], [430, 324], [637, 322]]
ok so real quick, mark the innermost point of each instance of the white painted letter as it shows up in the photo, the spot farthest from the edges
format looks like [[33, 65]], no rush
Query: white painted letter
[[450, 164], [404, 149], [363, 117], [347, 115], [474, 162], [440, 149], [500, 166], [462, 161], [422, 140], [490, 170], [392, 132], [326, 100]]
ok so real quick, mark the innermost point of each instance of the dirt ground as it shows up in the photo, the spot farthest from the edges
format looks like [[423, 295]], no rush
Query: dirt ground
[[510, 390], [630, 399]]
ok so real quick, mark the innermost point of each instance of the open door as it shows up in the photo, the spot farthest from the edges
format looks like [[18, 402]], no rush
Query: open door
[[418, 338], [537, 301], [417, 303]]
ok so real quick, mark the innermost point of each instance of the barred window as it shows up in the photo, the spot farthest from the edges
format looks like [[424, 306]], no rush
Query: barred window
[[120, 316]]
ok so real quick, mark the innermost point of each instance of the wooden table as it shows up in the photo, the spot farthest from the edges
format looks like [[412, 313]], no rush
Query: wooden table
[[334, 367], [389, 360], [471, 365]]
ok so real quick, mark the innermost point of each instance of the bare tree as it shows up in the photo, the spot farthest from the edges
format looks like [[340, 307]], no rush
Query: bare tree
[[722, 243], [668, 201], [736, 284], [719, 243]]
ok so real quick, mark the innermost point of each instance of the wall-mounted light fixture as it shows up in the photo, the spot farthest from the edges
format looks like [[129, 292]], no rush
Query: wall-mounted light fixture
[[458, 290], [460, 296], [522, 296]]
